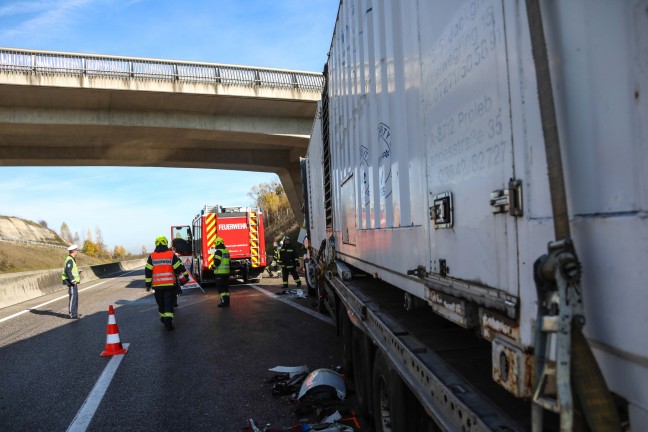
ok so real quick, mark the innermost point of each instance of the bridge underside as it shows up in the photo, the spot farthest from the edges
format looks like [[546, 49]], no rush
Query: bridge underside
[[49, 124]]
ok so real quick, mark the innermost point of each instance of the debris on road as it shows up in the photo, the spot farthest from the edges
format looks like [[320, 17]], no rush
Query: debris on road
[[320, 427], [293, 293], [319, 394], [288, 386], [290, 370], [320, 383]]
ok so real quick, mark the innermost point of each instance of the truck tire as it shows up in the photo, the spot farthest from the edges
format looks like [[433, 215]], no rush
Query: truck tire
[[311, 278], [246, 278], [321, 307], [389, 398], [344, 331], [362, 356]]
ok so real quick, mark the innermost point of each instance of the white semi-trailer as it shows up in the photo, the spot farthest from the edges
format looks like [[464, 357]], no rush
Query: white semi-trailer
[[477, 210]]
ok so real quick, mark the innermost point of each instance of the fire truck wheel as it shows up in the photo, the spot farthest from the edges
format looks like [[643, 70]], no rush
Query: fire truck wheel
[[199, 274]]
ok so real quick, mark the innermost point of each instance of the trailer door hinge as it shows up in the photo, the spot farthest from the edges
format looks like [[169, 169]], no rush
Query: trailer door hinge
[[508, 200]]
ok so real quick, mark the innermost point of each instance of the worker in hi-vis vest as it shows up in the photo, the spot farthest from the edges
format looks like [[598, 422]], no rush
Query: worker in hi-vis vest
[[160, 272], [221, 267], [72, 278]]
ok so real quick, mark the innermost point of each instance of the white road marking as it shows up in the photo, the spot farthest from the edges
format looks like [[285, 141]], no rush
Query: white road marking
[[87, 411], [57, 299], [319, 316]]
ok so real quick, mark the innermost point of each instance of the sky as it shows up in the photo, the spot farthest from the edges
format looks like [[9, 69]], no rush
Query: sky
[[126, 203]]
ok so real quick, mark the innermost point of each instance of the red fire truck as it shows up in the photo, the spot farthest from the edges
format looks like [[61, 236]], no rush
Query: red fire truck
[[242, 230], [181, 242]]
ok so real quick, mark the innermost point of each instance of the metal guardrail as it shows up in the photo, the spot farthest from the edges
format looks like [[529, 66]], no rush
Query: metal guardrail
[[60, 63], [31, 242]]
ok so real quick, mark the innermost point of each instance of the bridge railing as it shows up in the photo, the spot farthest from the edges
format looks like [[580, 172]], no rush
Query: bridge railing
[[60, 63]]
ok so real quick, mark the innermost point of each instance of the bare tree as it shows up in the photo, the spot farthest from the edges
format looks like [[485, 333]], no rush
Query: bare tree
[[272, 200], [77, 238], [66, 234], [99, 239]]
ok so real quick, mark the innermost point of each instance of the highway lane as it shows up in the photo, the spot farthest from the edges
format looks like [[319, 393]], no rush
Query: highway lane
[[208, 374]]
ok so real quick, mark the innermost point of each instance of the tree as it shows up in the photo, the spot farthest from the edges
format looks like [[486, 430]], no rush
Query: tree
[[104, 254], [272, 200], [66, 234], [42, 223], [277, 214], [119, 252], [90, 248], [144, 251], [77, 238], [88, 234], [99, 240]]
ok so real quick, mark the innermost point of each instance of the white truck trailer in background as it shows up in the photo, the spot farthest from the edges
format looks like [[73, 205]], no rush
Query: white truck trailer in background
[[481, 164]]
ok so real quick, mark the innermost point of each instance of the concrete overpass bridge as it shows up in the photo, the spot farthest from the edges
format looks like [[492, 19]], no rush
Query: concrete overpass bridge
[[66, 109]]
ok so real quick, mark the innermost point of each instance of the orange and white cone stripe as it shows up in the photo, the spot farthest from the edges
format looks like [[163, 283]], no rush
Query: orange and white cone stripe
[[113, 343]]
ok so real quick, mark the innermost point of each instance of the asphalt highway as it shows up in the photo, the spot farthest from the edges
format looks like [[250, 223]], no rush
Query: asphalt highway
[[210, 374]]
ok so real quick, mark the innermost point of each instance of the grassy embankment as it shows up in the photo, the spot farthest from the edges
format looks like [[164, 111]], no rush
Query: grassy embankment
[[18, 257]]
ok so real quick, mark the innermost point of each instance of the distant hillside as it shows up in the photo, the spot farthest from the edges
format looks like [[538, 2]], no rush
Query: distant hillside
[[28, 246], [13, 228]]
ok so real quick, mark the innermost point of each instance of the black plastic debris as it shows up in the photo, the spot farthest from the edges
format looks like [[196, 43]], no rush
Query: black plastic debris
[[285, 385]]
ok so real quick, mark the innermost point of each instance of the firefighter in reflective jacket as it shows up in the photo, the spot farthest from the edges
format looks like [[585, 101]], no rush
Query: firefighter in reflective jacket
[[162, 268], [221, 267], [288, 259]]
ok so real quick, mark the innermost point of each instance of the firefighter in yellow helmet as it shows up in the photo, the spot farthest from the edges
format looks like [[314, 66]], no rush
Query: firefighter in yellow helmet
[[288, 260], [221, 267], [162, 268]]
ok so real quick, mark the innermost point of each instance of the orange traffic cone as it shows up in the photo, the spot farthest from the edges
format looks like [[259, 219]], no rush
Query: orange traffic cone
[[113, 344]]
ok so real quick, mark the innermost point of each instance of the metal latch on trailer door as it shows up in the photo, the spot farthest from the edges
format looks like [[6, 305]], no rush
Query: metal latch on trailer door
[[419, 271], [441, 211], [508, 200]]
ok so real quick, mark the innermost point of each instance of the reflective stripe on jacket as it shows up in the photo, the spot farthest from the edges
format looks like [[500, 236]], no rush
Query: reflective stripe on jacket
[[223, 265], [288, 257], [75, 270], [163, 274]]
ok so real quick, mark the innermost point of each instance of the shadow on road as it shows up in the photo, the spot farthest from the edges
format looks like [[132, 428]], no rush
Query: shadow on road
[[48, 312]]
